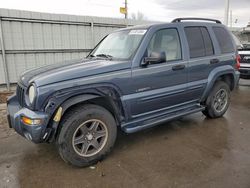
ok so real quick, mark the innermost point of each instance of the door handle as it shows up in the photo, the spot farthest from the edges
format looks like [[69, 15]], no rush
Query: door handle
[[214, 61], [178, 67]]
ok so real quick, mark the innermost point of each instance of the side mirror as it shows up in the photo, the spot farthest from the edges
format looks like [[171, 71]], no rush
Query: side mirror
[[154, 58]]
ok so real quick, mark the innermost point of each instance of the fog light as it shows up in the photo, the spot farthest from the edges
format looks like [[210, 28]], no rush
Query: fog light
[[29, 121], [28, 136]]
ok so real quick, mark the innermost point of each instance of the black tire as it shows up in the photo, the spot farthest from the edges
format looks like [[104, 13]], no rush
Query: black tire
[[212, 110], [72, 124]]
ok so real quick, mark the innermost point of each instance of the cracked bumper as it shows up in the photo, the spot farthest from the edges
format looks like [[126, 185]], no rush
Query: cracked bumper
[[35, 133]]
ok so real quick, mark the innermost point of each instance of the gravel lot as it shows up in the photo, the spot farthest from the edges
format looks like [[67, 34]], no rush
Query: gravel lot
[[190, 152]]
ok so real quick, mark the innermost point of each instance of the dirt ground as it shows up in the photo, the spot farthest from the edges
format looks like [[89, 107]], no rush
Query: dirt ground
[[190, 152], [4, 95]]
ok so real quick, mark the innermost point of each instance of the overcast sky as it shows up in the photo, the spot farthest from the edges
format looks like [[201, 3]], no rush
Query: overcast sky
[[156, 10]]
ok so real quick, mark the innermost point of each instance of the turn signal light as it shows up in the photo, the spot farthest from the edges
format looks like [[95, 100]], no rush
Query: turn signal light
[[29, 121]]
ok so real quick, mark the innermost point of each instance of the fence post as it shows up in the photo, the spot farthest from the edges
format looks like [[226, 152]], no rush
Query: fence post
[[92, 33], [5, 67]]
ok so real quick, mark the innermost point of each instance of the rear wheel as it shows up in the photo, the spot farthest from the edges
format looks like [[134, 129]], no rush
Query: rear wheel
[[87, 135], [218, 100]]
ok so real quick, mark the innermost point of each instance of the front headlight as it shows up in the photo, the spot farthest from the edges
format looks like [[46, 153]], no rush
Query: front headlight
[[32, 93]]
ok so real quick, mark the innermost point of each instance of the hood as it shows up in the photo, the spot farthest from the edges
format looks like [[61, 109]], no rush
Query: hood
[[70, 70]]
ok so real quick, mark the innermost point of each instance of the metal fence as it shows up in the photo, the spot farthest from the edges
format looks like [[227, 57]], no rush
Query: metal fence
[[32, 39]]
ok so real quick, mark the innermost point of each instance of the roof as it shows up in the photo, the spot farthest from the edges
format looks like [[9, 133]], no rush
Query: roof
[[186, 23]]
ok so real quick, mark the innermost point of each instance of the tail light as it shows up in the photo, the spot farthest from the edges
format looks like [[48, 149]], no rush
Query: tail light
[[237, 65]]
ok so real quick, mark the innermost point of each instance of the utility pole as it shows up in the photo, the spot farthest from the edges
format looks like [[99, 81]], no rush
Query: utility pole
[[231, 18], [126, 9], [226, 12]]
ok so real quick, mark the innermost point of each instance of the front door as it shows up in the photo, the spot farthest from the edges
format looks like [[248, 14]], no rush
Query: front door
[[160, 87]]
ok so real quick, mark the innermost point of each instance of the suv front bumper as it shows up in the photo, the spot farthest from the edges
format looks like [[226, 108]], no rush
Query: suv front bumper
[[35, 133], [244, 70]]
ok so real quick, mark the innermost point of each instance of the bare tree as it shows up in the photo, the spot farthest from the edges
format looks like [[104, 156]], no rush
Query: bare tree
[[138, 16]]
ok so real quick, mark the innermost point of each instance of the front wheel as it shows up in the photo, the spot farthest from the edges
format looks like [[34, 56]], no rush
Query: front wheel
[[87, 135], [218, 100]]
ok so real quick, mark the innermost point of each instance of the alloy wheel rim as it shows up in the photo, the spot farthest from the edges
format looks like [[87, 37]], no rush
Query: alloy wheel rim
[[90, 137], [220, 100]]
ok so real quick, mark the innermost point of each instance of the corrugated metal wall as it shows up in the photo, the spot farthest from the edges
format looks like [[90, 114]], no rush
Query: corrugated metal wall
[[31, 39]]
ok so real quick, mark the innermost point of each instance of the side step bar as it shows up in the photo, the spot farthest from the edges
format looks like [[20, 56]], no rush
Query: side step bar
[[132, 128]]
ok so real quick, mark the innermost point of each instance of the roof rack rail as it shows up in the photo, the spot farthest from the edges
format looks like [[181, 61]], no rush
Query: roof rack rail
[[204, 19]]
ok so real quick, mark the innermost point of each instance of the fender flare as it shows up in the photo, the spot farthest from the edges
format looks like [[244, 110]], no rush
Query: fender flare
[[79, 97], [54, 126], [76, 100], [68, 97], [64, 106], [215, 74]]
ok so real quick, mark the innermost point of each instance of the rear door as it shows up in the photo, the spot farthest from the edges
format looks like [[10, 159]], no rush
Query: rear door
[[201, 56]]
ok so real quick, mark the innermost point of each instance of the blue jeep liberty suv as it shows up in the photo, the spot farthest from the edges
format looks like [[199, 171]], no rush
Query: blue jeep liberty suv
[[135, 78]]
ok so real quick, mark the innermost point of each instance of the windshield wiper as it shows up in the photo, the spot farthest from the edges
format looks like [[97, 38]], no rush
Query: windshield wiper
[[105, 56], [91, 56]]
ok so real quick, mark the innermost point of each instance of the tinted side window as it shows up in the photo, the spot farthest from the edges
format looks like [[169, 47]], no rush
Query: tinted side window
[[224, 40], [199, 42], [209, 50], [166, 40], [195, 42]]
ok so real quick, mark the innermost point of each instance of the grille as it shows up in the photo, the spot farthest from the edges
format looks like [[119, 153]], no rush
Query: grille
[[245, 58], [20, 95]]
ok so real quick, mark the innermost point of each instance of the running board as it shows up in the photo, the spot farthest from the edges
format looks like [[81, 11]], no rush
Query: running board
[[134, 127]]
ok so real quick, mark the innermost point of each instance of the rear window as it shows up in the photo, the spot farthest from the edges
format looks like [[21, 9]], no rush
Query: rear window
[[199, 42], [224, 40]]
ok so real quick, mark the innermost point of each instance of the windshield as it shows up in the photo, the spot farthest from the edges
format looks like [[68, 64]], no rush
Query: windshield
[[119, 45]]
